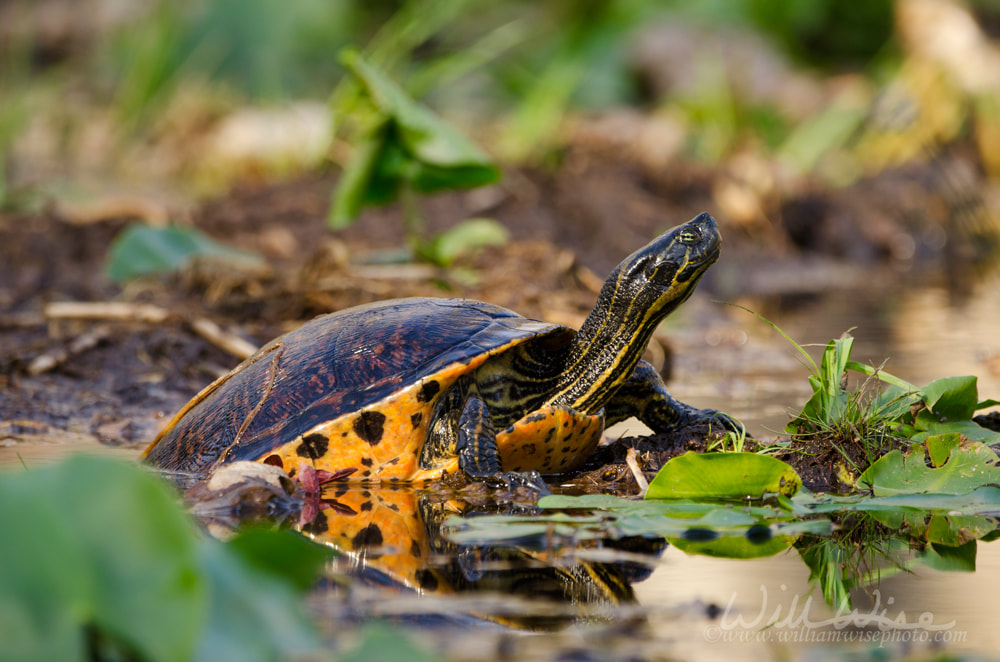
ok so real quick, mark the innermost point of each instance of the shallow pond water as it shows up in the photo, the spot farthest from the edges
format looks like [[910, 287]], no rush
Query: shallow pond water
[[668, 604]]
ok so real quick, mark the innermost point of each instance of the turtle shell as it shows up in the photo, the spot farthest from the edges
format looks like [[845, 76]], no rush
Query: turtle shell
[[366, 379]]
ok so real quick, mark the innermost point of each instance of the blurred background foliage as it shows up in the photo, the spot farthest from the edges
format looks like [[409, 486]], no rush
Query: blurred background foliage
[[214, 90]]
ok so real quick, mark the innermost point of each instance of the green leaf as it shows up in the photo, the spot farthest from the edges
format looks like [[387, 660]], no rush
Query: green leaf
[[928, 427], [939, 447], [723, 476], [981, 500], [405, 145], [961, 558], [285, 554], [100, 545], [104, 556], [954, 398], [464, 239], [141, 250], [356, 187], [968, 467], [252, 615], [734, 547], [425, 136], [379, 642]]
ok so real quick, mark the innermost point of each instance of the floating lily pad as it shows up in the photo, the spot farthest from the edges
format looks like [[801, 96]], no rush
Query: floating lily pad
[[723, 476], [970, 465]]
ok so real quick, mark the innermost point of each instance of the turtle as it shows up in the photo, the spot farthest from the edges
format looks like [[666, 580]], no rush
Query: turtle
[[416, 389]]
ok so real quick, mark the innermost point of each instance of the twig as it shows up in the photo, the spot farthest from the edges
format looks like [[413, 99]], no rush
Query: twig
[[21, 320], [633, 465], [106, 310], [224, 340], [79, 345], [131, 312]]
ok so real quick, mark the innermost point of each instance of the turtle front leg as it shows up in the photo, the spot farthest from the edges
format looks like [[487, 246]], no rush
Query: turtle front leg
[[477, 440], [478, 456], [644, 396]]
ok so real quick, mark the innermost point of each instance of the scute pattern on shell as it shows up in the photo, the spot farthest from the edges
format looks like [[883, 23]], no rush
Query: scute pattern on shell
[[331, 366]]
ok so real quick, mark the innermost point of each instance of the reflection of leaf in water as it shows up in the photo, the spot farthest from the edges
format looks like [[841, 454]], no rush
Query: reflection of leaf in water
[[874, 537]]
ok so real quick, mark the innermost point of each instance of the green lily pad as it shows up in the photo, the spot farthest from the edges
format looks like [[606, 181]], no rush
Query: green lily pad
[[953, 398], [970, 465], [723, 476]]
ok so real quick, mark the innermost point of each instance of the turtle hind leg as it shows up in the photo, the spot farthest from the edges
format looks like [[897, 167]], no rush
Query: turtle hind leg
[[645, 397], [478, 456]]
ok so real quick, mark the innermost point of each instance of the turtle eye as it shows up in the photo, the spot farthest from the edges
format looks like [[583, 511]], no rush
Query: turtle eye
[[689, 235]]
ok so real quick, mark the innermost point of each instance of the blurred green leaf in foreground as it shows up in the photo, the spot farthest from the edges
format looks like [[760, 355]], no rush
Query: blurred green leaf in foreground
[[100, 562]]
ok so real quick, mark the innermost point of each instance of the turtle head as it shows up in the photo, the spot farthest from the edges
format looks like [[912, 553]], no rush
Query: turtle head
[[639, 293], [663, 273]]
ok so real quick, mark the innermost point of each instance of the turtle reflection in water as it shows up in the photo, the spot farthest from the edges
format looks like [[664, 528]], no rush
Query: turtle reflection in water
[[414, 389], [391, 540]]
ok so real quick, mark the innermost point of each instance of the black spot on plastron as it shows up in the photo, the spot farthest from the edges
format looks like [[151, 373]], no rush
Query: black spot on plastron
[[428, 391], [416, 418], [562, 462], [370, 536], [415, 548], [530, 449], [313, 446], [393, 507], [367, 505], [549, 436], [565, 449], [565, 424], [366, 473], [535, 418], [369, 426], [367, 461], [342, 489]]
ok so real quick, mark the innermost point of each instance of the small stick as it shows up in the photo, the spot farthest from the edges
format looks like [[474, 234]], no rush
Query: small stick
[[106, 310], [633, 465], [79, 345], [224, 340]]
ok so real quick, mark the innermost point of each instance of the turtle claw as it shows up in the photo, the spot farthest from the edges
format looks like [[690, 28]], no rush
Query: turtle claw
[[718, 419]]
